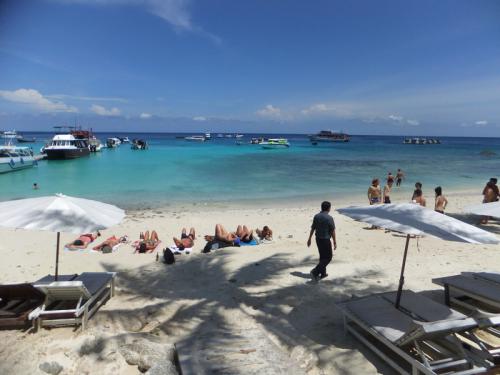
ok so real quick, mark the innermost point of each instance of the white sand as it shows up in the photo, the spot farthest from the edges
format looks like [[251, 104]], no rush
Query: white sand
[[235, 288]]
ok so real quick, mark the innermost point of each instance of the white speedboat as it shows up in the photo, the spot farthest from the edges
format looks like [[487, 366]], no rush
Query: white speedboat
[[239, 136], [113, 142], [67, 146], [275, 143], [139, 144], [13, 158], [208, 136], [195, 138], [95, 145], [124, 139]]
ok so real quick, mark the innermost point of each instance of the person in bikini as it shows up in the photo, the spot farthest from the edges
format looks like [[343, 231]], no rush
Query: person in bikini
[[148, 242], [374, 192], [107, 245], [186, 241], [245, 234], [419, 198], [265, 234], [441, 201], [221, 234], [83, 241]]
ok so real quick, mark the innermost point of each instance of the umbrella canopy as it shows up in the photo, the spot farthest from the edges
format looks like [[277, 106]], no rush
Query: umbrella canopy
[[413, 219], [59, 213], [485, 209]]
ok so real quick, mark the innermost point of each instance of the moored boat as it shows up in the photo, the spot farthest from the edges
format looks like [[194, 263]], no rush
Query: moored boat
[[195, 138], [329, 136], [124, 139], [275, 143], [22, 139], [13, 158], [67, 146], [113, 142], [10, 134], [139, 144]]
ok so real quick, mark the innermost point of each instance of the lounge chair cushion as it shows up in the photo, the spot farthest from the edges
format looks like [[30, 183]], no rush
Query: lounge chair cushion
[[478, 287]]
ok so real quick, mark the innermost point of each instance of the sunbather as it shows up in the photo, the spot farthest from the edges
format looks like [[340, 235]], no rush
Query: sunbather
[[148, 242], [245, 234], [83, 241], [221, 234], [186, 241], [265, 234], [107, 245]]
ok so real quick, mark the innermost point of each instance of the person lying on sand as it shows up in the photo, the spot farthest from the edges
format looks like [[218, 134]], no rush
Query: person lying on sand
[[186, 241], [265, 234], [148, 242], [245, 234], [83, 241], [107, 245], [221, 234]]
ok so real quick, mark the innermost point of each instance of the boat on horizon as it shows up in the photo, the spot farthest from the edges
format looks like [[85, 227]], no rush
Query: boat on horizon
[[195, 138], [139, 144], [22, 139], [208, 136], [421, 141], [9, 134], [330, 136], [124, 139], [275, 143], [14, 158]]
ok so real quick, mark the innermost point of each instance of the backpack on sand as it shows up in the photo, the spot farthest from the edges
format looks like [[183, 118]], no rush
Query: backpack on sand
[[168, 256]]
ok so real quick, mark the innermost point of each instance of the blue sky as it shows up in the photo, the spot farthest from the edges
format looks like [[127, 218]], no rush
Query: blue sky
[[367, 67]]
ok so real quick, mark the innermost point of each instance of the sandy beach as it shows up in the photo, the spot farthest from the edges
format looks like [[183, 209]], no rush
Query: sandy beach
[[263, 287]]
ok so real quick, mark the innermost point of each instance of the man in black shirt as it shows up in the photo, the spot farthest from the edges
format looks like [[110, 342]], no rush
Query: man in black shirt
[[324, 227]]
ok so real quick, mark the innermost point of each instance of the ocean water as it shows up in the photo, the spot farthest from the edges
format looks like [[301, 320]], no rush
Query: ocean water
[[173, 170]]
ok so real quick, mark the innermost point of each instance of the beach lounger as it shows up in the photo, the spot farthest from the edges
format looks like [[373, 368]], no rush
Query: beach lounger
[[406, 344], [17, 301], [482, 332], [73, 302], [471, 291]]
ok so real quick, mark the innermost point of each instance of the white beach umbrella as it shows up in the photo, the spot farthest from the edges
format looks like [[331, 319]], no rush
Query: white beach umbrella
[[413, 219], [59, 213], [484, 209]]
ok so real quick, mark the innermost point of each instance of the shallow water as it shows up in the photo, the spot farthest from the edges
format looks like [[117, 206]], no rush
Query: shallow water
[[173, 170]]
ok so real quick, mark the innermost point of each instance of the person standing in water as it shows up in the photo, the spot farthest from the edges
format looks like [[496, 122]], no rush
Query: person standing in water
[[374, 193], [324, 227], [399, 177], [441, 201], [387, 190]]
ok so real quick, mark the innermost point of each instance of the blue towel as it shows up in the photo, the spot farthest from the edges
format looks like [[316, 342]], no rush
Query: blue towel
[[251, 243]]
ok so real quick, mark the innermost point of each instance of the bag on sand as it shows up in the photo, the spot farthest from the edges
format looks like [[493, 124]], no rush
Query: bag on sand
[[168, 256]]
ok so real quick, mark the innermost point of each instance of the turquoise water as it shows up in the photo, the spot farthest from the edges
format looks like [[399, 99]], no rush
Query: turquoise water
[[173, 170]]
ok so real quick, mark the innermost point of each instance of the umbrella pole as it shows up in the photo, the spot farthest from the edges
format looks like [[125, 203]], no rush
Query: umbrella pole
[[402, 277], [57, 255]]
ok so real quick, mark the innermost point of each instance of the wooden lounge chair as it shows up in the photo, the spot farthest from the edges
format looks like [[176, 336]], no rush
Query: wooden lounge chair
[[471, 291], [73, 302], [17, 301], [406, 344]]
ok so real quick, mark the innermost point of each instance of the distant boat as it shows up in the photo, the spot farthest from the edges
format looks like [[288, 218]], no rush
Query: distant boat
[[124, 139], [421, 141], [195, 138], [10, 134], [113, 142], [22, 139], [139, 144], [275, 143], [257, 141], [229, 136], [95, 144], [220, 135], [239, 136], [208, 136], [329, 136]]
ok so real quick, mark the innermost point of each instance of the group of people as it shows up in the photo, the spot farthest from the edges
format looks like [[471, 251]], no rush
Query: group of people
[[242, 235], [376, 195]]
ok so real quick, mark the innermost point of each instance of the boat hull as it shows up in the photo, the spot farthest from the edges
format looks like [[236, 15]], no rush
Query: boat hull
[[329, 140], [67, 154], [274, 147], [7, 166]]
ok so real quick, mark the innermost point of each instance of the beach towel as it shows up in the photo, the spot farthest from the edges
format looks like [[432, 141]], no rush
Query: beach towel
[[74, 250], [174, 249], [253, 242]]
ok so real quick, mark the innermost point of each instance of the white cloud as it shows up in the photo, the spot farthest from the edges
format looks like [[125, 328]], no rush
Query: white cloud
[[176, 12], [87, 98], [413, 122], [145, 115], [481, 122], [395, 118], [270, 111], [199, 118], [35, 99], [101, 111]]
